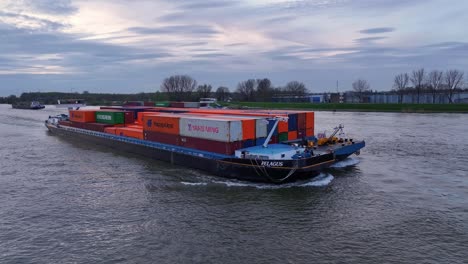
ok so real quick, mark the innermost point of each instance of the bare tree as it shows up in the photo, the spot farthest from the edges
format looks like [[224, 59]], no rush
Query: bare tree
[[264, 89], [204, 91], [222, 93], [179, 87], [434, 82], [247, 89], [361, 87], [295, 88], [454, 81], [400, 83], [417, 78]]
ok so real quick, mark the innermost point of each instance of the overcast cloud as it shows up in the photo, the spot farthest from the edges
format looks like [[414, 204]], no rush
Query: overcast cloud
[[131, 46]]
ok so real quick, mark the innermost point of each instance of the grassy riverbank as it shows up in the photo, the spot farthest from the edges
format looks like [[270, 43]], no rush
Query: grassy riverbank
[[408, 108]]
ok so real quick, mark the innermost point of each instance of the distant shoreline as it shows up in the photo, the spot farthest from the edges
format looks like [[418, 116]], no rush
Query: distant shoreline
[[364, 107]]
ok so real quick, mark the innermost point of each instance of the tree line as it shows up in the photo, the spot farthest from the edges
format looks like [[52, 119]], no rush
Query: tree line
[[435, 82], [184, 87]]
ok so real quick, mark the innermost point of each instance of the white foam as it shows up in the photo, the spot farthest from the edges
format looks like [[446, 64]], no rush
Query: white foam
[[195, 183], [346, 163], [320, 181]]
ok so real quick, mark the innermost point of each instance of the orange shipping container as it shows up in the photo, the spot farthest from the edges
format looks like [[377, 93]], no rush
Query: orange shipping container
[[160, 123], [141, 114], [310, 119], [282, 126], [292, 135], [129, 132], [248, 129], [83, 116]]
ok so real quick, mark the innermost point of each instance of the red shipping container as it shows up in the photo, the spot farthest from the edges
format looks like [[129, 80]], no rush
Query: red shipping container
[[309, 132], [159, 137], [310, 119], [64, 123], [99, 127], [226, 148], [76, 124], [292, 135], [301, 121]]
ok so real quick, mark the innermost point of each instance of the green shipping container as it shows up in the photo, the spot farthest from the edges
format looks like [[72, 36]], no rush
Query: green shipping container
[[162, 103], [110, 117], [283, 137]]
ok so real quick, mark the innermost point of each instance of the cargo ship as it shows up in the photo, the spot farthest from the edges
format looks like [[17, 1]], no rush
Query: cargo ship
[[252, 145]]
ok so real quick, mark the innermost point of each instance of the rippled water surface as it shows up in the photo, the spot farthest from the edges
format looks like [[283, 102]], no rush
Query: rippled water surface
[[403, 200]]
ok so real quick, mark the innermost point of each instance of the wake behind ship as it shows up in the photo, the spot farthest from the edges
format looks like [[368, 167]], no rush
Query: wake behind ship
[[254, 145]]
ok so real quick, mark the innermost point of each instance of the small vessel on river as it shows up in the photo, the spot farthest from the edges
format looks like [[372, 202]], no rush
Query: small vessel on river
[[34, 105], [228, 143]]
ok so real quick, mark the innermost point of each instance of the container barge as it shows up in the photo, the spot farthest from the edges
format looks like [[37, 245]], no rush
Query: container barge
[[260, 146]]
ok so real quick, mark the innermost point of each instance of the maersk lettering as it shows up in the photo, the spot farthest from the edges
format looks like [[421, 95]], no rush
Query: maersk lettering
[[103, 117], [272, 164]]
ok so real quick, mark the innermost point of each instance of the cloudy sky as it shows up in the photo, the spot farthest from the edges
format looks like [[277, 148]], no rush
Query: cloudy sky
[[131, 46]]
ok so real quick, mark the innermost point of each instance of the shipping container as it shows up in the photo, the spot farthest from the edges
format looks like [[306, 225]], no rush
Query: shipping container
[[162, 103], [310, 119], [226, 148], [301, 121], [301, 133], [248, 143], [292, 122], [99, 127], [283, 126], [292, 135], [309, 132], [270, 125], [110, 130], [134, 109], [82, 115], [110, 117], [148, 104], [191, 104], [218, 129], [168, 124], [177, 104], [129, 117], [164, 138], [64, 123], [129, 132], [261, 128], [76, 124], [282, 137], [140, 115]]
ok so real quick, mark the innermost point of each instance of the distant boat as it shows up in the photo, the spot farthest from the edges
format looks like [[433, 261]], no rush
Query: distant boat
[[70, 103], [34, 105]]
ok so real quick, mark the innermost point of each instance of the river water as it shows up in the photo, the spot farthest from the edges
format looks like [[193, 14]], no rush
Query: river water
[[403, 200]]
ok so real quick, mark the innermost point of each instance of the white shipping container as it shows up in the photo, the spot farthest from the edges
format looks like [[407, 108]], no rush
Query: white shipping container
[[191, 104], [261, 124], [211, 128], [261, 128]]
